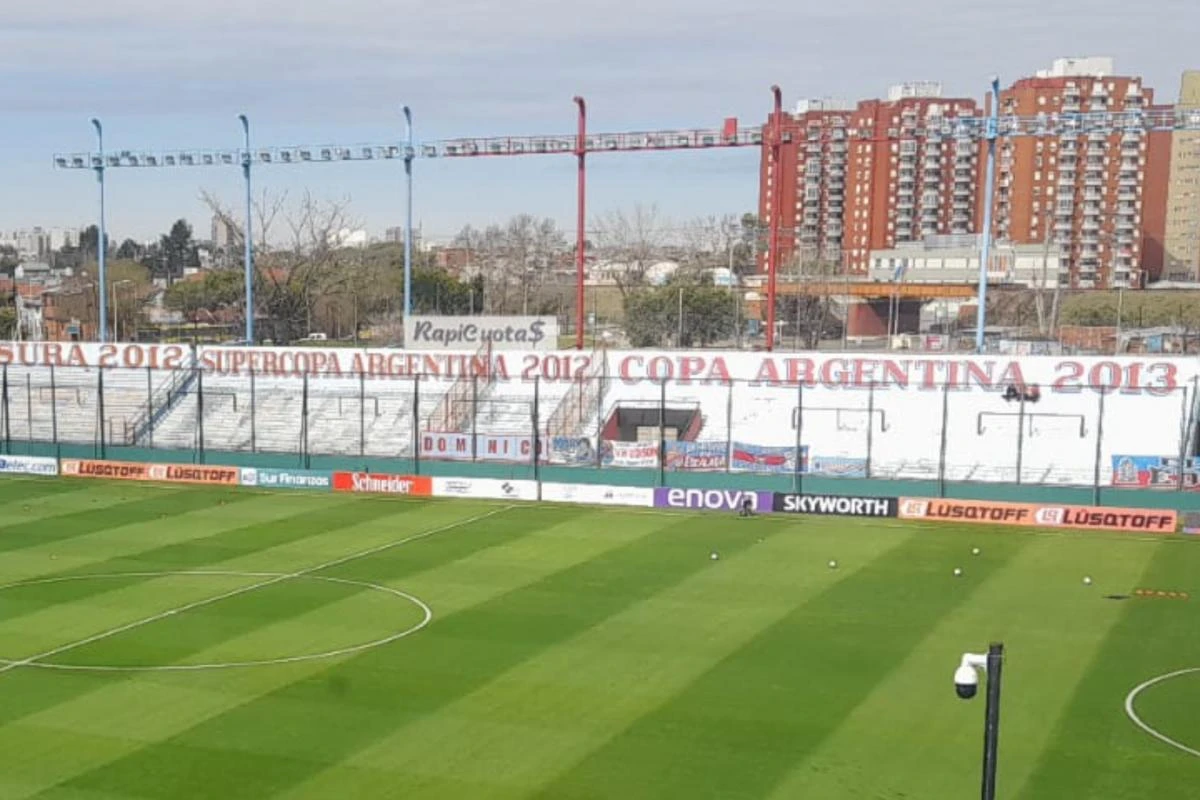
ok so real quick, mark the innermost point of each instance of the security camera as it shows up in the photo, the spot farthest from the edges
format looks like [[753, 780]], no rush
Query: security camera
[[966, 677], [966, 682]]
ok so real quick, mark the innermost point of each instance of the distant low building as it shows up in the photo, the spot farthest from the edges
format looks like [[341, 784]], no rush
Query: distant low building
[[955, 259]]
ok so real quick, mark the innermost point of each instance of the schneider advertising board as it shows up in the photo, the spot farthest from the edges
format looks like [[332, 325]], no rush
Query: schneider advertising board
[[471, 333]]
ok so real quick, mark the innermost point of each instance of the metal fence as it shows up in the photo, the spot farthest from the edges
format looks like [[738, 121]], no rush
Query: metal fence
[[1085, 435]]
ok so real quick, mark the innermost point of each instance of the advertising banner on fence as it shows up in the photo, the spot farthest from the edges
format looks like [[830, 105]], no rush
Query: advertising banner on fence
[[570, 450], [28, 465], [263, 478], [162, 473], [471, 333], [838, 467], [1132, 520], [1154, 472], [836, 505], [697, 456], [712, 499], [629, 454], [760, 458], [598, 494], [485, 488], [377, 483], [488, 447]]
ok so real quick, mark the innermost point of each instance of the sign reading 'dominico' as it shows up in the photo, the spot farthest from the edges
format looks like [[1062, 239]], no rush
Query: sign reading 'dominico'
[[467, 333], [711, 499], [836, 505], [162, 473], [1133, 520]]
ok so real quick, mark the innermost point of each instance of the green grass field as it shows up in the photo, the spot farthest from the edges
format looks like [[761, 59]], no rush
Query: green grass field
[[571, 652]]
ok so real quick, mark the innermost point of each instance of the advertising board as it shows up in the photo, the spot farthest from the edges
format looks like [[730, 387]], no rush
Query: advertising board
[[378, 483], [264, 478], [450, 446], [470, 333], [697, 456], [764, 458], [1154, 472], [1129, 520], [28, 465], [159, 473], [838, 467], [836, 505], [485, 488], [598, 494], [712, 499], [629, 454]]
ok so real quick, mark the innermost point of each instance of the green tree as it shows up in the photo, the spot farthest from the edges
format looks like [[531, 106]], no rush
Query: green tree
[[130, 251], [177, 250], [8, 322], [435, 291], [652, 315]]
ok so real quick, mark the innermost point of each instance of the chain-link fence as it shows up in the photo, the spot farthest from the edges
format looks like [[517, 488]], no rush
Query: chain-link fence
[[1089, 435]]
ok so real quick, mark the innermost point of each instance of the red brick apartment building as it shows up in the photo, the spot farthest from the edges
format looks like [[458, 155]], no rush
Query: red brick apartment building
[[866, 178], [856, 179]]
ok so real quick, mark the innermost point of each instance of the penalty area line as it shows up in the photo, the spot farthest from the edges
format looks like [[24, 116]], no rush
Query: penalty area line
[[170, 612]]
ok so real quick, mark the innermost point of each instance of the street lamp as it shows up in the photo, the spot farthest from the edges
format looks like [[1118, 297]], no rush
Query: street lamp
[[966, 684], [409, 154]]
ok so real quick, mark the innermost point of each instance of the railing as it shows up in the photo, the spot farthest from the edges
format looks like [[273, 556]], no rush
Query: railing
[[455, 408], [1083, 436], [582, 400]]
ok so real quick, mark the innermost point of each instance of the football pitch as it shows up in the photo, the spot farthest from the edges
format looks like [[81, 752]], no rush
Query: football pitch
[[197, 643]]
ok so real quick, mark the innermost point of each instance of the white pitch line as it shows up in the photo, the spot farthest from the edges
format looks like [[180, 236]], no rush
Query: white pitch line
[[1133, 716], [243, 590]]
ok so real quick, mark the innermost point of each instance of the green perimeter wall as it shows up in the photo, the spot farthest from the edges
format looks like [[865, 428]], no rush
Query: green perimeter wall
[[812, 484]]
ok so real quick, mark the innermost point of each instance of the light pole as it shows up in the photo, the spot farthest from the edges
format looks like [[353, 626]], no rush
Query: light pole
[[990, 133], [249, 238], [409, 154], [101, 255], [966, 682], [116, 313]]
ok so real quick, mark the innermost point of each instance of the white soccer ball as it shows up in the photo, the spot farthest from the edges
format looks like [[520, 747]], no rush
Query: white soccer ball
[[975, 551], [714, 555], [1087, 580], [958, 572], [833, 565]]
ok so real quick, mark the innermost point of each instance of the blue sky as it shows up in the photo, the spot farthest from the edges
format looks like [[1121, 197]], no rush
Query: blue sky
[[313, 72]]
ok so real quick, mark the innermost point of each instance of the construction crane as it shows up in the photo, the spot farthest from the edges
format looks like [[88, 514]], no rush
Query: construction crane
[[581, 144]]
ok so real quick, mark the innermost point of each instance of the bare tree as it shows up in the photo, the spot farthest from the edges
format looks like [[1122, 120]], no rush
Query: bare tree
[[311, 263], [635, 241]]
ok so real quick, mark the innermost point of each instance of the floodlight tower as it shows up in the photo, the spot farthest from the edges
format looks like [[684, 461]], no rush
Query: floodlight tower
[[101, 238], [247, 159]]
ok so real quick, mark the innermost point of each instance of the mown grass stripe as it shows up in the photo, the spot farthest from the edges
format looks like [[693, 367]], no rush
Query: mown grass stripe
[[57, 692], [1153, 636], [71, 525], [792, 685], [515, 733], [1051, 625], [243, 759], [15, 490], [211, 551], [151, 708]]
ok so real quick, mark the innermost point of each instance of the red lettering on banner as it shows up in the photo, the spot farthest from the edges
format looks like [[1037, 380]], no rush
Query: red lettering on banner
[[767, 372]]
